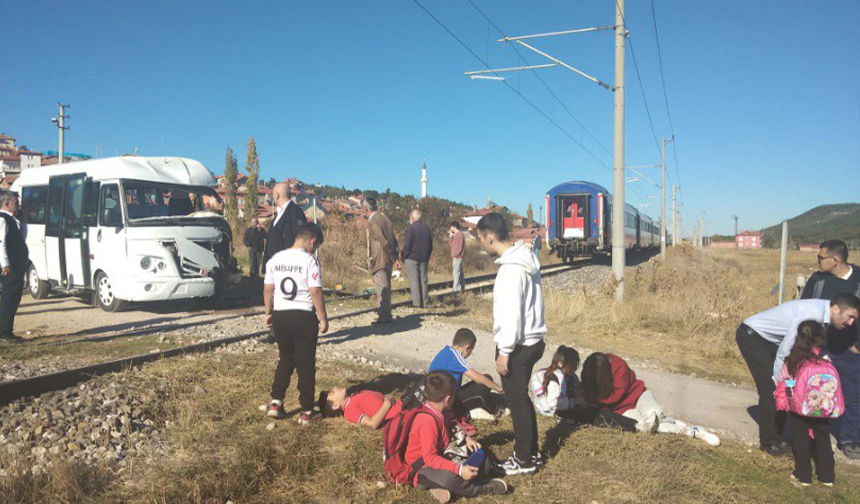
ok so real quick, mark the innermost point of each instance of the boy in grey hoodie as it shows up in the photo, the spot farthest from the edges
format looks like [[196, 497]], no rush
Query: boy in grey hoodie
[[518, 331]]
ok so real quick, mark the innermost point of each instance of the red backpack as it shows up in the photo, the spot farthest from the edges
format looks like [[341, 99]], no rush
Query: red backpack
[[395, 437]]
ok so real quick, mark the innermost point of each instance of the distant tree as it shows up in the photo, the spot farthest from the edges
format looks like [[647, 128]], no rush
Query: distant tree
[[530, 215], [271, 182], [252, 166], [231, 207]]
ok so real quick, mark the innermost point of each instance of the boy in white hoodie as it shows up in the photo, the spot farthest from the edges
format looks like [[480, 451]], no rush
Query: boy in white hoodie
[[518, 331]]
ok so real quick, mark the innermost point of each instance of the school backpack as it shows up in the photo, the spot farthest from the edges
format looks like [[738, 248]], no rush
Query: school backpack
[[395, 437], [816, 390], [413, 397]]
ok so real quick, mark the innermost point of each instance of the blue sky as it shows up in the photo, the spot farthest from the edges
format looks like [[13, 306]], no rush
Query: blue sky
[[764, 96]]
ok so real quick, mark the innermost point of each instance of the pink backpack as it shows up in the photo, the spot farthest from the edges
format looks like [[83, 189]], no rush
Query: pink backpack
[[815, 391]]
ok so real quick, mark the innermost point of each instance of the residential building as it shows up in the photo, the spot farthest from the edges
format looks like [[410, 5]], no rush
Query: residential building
[[748, 240]]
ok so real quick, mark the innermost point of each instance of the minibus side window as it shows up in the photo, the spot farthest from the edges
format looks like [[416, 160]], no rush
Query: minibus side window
[[91, 203], [55, 205], [110, 201], [74, 207], [34, 201]]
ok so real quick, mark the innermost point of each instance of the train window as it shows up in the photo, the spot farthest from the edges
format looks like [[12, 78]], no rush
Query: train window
[[34, 202]]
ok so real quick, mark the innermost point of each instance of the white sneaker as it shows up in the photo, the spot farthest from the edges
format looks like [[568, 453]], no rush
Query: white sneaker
[[701, 433], [481, 414], [650, 424]]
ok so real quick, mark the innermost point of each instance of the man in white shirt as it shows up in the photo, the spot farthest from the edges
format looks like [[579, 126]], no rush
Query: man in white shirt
[[765, 340], [14, 260], [295, 310]]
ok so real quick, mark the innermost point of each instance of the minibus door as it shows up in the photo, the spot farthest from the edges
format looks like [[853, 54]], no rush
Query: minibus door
[[66, 238]]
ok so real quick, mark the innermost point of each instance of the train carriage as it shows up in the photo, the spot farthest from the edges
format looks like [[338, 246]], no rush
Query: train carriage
[[579, 221]]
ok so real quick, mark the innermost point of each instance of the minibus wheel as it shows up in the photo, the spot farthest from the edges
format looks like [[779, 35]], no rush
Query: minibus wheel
[[105, 295], [39, 289]]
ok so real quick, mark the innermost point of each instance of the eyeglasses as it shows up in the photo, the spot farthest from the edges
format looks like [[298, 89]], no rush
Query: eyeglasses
[[823, 258]]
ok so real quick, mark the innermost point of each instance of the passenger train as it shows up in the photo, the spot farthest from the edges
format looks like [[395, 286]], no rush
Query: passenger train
[[579, 221]]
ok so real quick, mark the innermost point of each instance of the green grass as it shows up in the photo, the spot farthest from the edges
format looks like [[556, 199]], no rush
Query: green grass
[[221, 450]]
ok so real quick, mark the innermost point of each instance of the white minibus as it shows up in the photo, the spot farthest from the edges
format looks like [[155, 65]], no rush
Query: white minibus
[[126, 229]]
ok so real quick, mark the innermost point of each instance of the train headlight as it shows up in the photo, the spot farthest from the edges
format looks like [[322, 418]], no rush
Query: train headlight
[[146, 263], [161, 265]]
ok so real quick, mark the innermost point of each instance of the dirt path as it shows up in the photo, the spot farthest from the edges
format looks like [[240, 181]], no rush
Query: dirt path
[[417, 335]]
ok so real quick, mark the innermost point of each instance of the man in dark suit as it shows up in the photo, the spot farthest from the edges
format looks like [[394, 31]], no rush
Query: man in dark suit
[[287, 220], [14, 259], [255, 240]]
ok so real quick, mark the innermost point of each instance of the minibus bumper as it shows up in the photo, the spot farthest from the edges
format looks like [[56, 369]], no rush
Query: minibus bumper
[[167, 289]]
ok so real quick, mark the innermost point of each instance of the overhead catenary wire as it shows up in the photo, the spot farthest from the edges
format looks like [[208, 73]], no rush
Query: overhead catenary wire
[[665, 95], [512, 88], [545, 85]]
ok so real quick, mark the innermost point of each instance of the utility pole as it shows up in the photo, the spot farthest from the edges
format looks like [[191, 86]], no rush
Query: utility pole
[[619, 258], [663, 200], [735, 217], [61, 124], [674, 219]]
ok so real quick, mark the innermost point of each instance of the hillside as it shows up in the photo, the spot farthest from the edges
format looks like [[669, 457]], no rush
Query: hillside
[[824, 222]]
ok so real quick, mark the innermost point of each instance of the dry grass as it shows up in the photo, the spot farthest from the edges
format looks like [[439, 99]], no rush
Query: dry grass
[[222, 451], [682, 313]]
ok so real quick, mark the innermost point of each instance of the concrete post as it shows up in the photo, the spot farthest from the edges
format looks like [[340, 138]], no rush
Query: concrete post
[[618, 250], [783, 253]]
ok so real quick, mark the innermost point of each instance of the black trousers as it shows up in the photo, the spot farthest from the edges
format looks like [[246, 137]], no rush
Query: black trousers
[[760, 355], [255, 258], [474, 395], [296, 333], [10, 299], [824, 466], [521, 362], [439, 478]]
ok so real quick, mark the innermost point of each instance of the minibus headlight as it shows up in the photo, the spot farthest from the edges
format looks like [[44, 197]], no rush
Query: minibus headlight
[[146, 263], [161, 265]]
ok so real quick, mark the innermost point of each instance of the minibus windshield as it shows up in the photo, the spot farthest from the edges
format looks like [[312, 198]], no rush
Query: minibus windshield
[[153, 202]]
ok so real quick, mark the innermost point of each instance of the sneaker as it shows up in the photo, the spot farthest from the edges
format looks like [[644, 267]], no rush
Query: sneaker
[[481, 414], [383, 322], [852, 451], [701, 433], [777, 450], [276, 410], [307, 417], [503, 412], [11, 338], [441, 495], [537, 459], [650, 424], [493, 487], [827, 484], [516, 466], [797, 483]]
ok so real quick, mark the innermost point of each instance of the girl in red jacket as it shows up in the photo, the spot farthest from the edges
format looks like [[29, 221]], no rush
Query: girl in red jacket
[[608, 382]]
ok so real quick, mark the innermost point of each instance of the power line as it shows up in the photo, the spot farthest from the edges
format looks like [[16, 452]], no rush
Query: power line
[[545, 85], [665, 95], [541, 112]]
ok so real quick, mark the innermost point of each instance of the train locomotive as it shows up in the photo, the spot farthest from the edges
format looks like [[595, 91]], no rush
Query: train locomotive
[[579, 222]]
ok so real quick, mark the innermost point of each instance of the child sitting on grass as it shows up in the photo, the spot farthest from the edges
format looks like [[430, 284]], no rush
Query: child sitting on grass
[[814, 385], [610, 383], [476, 396], [555, 391], [367, 408], [430, 435]]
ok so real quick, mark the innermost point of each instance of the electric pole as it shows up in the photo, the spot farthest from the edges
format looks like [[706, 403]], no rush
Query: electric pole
[[619, 258], [663, 200], [674, 219], [701, 229], [61, 125], [735, 217]]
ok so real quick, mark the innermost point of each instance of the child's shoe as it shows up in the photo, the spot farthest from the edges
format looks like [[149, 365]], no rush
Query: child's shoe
[[701, 433], [493, 487], [797, 483], [481, 414], [276, 410], [441, 495], [307, 417], [650, 424]]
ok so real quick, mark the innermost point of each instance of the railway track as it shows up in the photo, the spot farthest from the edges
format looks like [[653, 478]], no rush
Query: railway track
[[37, 385]]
